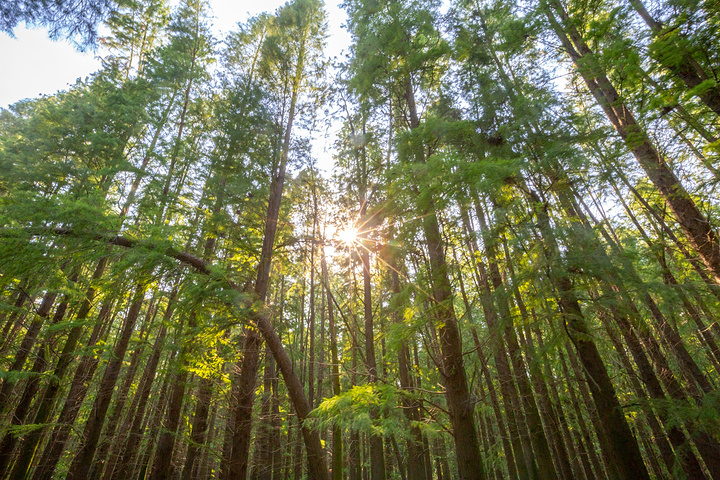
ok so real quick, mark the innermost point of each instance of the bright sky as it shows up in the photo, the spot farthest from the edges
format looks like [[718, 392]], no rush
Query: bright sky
[[33, 65]]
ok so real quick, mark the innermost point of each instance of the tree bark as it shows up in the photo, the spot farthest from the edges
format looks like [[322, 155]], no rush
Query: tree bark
[[377, 455], [27, 344], [121, 464], [110, 436], [162, 465], [337, 437], [411, 408], [240, 451], [199, 426]]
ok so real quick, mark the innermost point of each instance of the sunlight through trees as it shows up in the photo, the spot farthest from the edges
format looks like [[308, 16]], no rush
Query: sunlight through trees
[[512, 271]]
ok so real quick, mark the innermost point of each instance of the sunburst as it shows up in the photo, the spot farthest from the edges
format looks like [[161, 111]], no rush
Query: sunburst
[[348, 235]]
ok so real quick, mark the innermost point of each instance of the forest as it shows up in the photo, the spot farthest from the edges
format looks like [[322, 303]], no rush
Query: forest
[[511, 271]]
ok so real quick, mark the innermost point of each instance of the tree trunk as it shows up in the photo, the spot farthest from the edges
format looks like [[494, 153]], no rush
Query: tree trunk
[[9, 441], [121, 464], [337, 438], [689, 462], [110, 435], [582, 466], [199, 426], [546, 469], [411, 408], [153, 424], [162, 465], [520, 450], [240, 451], [15, 319], [377, 456], [27, 344], [262, 468]]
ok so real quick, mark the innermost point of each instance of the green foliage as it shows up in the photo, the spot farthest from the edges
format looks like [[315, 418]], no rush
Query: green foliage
[[352, 410], [74, 19]]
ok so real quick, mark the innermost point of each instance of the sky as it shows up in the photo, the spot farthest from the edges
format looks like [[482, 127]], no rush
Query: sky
[[32, 65]]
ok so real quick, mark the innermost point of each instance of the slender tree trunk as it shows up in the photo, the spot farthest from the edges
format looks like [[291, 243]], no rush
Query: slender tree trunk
[[549, 414], [689, 463], [546, 469], [27, 344], [670, 337], [205, 466], [153, 427], [321, 349], [162, 465], [121, 398], [240, 451], [262, 469], [22, 410], [582, 466], [668, 334], [276, 447], [485, 435], [146, 158], [520, 450], [15, 318], [316, 456], [337, 438], [377, 456], [354, 464], [663, 227], [124, 458], [510, 439], [670, 279], [653, 383], [411, 408], [199, 426], [588, 444]]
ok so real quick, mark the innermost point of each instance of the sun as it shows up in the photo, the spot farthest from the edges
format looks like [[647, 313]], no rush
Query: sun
[[348, 235]]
